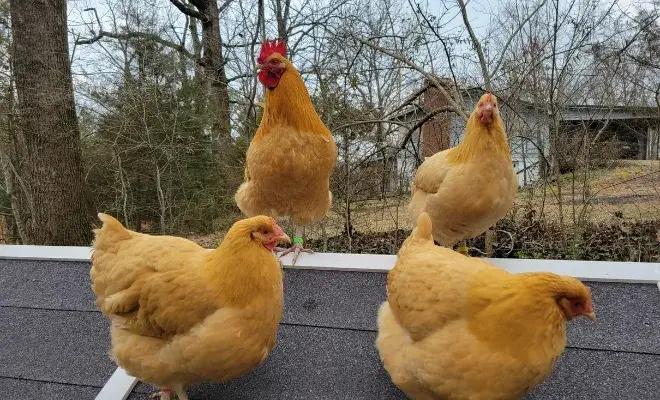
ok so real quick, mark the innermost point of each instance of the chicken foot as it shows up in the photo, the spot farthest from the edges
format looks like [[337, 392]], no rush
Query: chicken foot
[[297, 246], [462, 248], [166, 394]]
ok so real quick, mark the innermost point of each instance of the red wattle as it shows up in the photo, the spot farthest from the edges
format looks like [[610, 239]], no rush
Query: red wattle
[[268, 79]]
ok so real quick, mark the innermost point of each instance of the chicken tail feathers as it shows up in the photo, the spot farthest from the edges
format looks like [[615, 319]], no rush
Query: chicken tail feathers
[[424, 226], [110, 233]]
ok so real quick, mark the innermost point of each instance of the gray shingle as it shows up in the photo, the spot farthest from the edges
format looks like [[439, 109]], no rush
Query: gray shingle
[[56, 346], [17, 389], [590, 375], [331, 298], [41, 284], [325, 364], [348, 300], [627, 319], [351, 300], [309, 363]]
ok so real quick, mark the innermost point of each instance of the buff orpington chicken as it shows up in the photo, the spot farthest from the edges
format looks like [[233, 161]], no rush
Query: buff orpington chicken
[[182, 314], [292, 154], [468, 188], [460, 328]]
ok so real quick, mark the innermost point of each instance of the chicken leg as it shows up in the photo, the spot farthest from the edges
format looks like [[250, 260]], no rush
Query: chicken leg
[[297, 246], [165, 394], [462, 248]]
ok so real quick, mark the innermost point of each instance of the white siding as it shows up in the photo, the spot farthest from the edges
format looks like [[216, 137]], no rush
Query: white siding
[[527, 133], [406, 160]]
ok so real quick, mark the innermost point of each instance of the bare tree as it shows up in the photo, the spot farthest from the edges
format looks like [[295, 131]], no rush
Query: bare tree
[[207, 54]]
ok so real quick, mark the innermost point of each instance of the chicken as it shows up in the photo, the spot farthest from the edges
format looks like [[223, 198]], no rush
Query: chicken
[[468, 188], [456, 327], [182, 314], [292, 154]]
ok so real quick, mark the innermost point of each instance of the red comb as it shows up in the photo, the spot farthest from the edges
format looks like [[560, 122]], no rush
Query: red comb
[[270, 47]]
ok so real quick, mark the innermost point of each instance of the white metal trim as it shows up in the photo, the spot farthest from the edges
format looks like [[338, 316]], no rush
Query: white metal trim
[[118, 387], [45, 253], [604, 271]]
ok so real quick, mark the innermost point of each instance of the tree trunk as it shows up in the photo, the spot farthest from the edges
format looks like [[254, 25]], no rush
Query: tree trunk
[[47, 115], [213, 63], [282, 8], [208, 52]]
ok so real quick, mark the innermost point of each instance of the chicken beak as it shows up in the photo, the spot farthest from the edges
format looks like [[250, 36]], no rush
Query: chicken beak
[[591, 315], [279, 234], [487, 114], [283, 238], [259, 67]]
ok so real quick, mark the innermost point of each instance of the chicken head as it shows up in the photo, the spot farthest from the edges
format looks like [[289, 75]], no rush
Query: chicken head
[[266, 231], [271, 63], [487, 108], [578, 305]]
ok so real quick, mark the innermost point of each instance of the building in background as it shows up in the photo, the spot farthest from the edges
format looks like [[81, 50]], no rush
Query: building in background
[[612, 132]]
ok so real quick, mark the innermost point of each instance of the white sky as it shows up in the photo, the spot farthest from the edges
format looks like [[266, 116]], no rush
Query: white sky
[[88, 61]]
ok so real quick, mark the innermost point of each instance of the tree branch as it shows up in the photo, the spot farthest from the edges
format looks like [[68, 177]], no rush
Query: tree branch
[[477, 46], [440, 38], [434, 80], [422, 122], [132, 35], [138, 35], [513, 35], [224, 5], [189, 11], [200, 4], [241, 76]]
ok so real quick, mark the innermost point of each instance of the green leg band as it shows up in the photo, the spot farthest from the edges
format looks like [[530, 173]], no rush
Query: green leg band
[[297, 240]]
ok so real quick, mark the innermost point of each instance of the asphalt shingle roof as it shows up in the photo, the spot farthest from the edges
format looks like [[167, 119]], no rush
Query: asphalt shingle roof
[[55, 343]]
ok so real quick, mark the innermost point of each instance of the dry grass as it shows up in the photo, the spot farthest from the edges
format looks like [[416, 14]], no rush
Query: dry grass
[[628, 190]]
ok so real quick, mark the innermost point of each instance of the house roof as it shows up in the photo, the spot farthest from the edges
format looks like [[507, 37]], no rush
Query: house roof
[[55, 342], [570, 112]]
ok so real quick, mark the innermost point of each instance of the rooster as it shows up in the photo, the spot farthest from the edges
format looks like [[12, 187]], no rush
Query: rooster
[[468, 188], [292, 154]]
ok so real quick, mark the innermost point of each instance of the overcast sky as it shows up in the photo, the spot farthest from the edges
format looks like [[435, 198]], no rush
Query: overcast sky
[[89, 61]]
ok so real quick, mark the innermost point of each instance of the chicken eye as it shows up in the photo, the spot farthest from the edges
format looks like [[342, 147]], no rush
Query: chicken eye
[[265, 231], [577, 304]]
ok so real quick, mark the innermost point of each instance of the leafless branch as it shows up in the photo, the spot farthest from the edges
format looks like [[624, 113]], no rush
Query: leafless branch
[[189, 11], [441, 39], [455, 105], [261, 22], [132, 35], [241, 76], [224, 5], [512, 241], [511, 37], [477, 46], [138, 35], [421, 122]]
